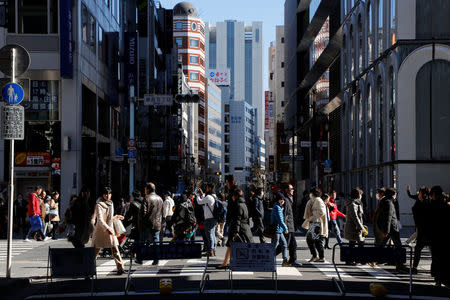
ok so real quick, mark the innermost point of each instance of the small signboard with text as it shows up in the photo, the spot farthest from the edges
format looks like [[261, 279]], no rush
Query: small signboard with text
[[13, 122], [255, 257]]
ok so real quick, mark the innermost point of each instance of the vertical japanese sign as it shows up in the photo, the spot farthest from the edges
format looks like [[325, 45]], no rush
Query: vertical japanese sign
[[266, 105], [66, 39], [131, 59]]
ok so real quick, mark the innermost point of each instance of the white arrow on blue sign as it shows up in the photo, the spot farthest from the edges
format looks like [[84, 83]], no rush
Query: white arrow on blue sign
[[12, 93]]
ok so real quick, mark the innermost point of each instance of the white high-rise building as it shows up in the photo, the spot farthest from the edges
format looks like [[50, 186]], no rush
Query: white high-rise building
[[233, 45]]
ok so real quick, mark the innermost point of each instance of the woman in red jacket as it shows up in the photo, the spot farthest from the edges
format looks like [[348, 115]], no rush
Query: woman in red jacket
[[334, 213], [34, 210]]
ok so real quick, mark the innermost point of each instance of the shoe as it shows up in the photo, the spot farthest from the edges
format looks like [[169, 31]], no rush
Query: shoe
[[414, 271], [155, 262], [285, 264], [223, 267], [402, 270], [27, 240], [120, 272], [372, 264], [139, 262], [313, 259], [321, 260], [296, 264], [47, 238]]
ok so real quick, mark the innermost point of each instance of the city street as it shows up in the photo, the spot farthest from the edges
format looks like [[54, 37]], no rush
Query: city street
[[30, 261]]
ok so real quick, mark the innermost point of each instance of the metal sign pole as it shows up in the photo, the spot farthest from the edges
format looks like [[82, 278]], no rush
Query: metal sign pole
[[11, 182]]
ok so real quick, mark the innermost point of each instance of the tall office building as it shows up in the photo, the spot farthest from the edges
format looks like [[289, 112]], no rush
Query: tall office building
[[189, 35], [233, 45]]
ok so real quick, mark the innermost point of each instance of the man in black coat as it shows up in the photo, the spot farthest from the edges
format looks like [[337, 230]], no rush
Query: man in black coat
[[386, 222], [132, 215], [258, 213]]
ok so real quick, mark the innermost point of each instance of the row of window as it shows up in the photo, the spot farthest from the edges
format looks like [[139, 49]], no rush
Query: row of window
[[194, 26], [193, 42], [367, 39]]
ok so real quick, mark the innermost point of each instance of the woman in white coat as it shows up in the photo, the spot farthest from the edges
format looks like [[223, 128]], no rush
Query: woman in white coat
[[317, 225], [104, 235]]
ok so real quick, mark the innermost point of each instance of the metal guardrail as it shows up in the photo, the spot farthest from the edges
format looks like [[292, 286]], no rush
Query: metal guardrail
[[367, 253]]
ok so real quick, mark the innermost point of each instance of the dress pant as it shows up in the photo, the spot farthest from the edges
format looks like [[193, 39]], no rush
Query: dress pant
[[258, 229], [116, 255], [210, 230], [420, 244], [316, 246]]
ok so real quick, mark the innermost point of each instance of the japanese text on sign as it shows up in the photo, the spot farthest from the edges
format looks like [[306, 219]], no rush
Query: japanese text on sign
[[13, 122], [256, 257], [219, 77]]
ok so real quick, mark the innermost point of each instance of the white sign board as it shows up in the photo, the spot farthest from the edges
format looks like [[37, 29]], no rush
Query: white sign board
[[13, 122], [158, 100], [219, 76], [255, 257]]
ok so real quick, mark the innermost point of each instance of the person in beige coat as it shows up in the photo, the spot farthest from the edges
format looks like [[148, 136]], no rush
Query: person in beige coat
[[54, 214], [317, 225], [104, 235]]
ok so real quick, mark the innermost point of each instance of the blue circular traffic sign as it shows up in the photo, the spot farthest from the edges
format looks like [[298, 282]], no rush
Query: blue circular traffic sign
[[12, 93]]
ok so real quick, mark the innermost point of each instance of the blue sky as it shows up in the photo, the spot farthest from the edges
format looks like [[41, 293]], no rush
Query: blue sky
[[270, 12]]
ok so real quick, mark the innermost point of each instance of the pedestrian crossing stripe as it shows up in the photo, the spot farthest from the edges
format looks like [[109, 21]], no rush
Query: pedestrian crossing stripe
[[328, 269]]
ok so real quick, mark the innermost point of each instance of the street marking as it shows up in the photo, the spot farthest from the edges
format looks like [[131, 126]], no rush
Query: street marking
[[286, 271], [378, 272], [328, 269], [194, 267], [149, 272]]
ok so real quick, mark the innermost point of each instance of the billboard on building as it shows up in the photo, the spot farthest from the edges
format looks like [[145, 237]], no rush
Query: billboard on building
[[219, 76]]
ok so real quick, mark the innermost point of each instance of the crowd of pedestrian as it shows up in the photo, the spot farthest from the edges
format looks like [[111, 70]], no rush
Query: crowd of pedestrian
[[222, 217]]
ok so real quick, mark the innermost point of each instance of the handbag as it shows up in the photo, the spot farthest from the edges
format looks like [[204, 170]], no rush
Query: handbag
[[314, 231], [270, 231], [118, 227], [35, 223], [53, 212]]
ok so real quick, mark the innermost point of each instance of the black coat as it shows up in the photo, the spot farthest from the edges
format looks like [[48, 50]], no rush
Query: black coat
[[289, 214], [239, 221], [258, 207], [385, 220]]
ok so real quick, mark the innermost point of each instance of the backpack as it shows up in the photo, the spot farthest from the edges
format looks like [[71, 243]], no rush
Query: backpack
[[220, 210], [189, 214]]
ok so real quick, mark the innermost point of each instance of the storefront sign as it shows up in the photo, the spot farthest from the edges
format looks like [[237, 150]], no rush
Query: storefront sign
[[26, 159], [219, 76]]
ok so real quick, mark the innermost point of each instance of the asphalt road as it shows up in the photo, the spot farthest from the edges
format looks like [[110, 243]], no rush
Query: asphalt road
[[310, 280]]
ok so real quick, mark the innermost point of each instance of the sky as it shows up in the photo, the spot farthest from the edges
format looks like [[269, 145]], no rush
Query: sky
[[270, 12]]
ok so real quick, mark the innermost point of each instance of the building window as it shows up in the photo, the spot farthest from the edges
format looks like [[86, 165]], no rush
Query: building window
[[360, 44], [84, 23], [392, 112], [227, 138], [193, 59], [393, 22], [227, 108], [194, 26], [282, 64], [381, 116], [369, 33], [33, 17], [380, 27], [282, 84], [282, 40], [179, 25], [352, 52], [193, 75], [93, 30], [194, 43], [179, 42]]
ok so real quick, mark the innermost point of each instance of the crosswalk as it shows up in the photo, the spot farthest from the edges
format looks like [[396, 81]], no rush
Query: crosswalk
[[19, 247], [194, 268]]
